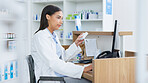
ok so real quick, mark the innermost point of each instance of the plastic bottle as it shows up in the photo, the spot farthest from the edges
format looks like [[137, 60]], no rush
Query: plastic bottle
[[97, 15], [5, 72], [78, 57], [16, 69], [70, 35], [61, 34], [36, 18], [78, 23], [11, 70]]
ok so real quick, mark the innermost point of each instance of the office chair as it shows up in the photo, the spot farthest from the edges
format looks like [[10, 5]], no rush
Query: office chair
[[30, 62]]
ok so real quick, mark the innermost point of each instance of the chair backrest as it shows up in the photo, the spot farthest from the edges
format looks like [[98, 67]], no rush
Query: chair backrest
[[31, 69]]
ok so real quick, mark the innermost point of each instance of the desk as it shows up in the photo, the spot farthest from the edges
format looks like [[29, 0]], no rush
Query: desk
[[88, 75], [113, 70]]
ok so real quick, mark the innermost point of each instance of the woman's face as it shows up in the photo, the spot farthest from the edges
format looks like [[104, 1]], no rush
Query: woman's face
[[55, 20]]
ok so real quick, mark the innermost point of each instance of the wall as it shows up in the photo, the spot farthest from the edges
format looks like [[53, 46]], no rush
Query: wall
[[125, 13]]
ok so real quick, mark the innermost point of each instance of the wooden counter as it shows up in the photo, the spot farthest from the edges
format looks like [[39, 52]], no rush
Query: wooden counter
[[113, 70]]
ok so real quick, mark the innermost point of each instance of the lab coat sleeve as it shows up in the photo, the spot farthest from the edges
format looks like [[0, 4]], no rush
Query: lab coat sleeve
[[49, 57], [71, 52]]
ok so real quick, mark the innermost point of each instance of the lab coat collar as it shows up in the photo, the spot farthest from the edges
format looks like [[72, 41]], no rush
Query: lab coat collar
[[53, 35], [47, 33]]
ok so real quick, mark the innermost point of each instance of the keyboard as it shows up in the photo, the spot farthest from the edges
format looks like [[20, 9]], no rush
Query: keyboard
[[85, 61]]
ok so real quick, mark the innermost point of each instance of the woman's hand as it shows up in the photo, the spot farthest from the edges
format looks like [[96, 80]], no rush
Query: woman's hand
[[78, 40], [88, 68]]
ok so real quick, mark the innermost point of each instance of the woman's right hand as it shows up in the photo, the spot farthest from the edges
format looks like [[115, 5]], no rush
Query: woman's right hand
[[78, 40], [88, 68]]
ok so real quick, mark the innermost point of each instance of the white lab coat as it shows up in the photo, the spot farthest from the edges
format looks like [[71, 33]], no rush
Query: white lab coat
[[47, 61]]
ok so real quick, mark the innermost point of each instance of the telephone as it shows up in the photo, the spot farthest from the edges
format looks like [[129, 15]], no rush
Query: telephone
[[105, 54], [108, 54]]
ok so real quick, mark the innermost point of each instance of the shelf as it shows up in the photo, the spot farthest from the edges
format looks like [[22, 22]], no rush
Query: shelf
[[83, 0], [93, 20], [7, 18], [60, 38], [48, 1], [21, 1], [36, 20], [39, 20], [68, 39], [89, 20], [9, 39]]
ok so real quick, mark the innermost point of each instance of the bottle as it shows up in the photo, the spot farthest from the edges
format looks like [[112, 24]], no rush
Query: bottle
[[70, 35], [11, 70], [78, 57], [6, 72], [61, 36], [11, 45], [36, 18], [16, 68], [78, 23], [96, 15]]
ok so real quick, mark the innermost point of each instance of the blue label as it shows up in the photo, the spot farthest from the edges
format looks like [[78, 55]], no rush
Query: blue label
[[36, 17], [77, 28], [16, 69], [109, 7], [5, 73], [11, 70], [77, 17], [0, 75]]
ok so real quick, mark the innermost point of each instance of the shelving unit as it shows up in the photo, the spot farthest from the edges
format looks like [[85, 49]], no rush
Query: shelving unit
[[11, 23], [103, 23], [7, 21]]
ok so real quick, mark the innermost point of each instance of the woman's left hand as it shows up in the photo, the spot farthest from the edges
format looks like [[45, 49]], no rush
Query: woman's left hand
[[78, 40]]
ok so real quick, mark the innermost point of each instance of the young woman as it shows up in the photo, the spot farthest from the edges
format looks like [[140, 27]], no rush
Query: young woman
[[50, 58]]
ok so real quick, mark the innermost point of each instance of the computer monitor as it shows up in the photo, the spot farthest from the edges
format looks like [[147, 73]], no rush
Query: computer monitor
[[114, 36]]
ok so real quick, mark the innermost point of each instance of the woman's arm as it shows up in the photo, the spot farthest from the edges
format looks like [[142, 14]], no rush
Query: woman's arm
[[73, 49]]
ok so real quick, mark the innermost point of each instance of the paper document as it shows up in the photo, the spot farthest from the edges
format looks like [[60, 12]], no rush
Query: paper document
[[91, 47]]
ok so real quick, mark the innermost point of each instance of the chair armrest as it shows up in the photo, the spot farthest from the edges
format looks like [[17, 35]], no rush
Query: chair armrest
[[49, 78]]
